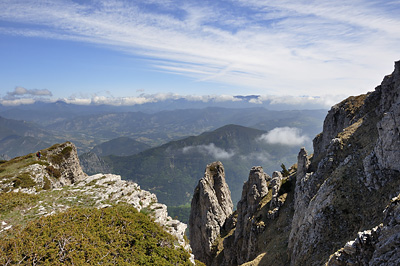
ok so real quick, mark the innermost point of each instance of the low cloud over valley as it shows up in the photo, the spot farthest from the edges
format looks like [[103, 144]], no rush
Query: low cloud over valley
[[211, 150], [289, 136]]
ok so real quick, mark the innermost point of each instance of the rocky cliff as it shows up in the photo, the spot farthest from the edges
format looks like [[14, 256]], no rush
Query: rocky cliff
[[211, 206], [352, 176], [339, 206]]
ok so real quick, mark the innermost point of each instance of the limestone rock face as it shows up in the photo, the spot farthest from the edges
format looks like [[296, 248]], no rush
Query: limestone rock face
[[64, 157], [387, 147], [276, 184], [211, 206], [354, 172], [259, 207], [254, 189]]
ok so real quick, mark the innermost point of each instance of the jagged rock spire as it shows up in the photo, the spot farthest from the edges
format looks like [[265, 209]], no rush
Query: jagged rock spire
[[211, 206], [254, 189]]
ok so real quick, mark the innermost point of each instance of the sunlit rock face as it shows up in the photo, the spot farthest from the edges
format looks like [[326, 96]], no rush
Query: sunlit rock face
[[211, 206], [345, 186]]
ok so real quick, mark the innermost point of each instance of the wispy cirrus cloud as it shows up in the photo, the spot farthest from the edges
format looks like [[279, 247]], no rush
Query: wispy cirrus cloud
[[279, 47]]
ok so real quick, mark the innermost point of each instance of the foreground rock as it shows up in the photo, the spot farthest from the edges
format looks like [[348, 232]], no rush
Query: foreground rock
[[211, 206]]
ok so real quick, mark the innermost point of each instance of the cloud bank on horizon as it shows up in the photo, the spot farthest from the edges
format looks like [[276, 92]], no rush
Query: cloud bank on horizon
[[276, 48], [22, 96]]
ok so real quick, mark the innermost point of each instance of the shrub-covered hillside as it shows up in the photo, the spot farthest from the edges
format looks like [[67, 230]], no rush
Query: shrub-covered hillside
[[118, 235]]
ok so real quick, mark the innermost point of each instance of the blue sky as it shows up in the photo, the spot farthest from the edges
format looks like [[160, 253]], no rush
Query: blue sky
[[132, 52]]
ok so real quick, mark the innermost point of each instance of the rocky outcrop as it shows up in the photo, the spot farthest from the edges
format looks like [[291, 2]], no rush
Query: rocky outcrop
[[64, 158], [111, 188], [58, 166], [211, 206], [237, 238]]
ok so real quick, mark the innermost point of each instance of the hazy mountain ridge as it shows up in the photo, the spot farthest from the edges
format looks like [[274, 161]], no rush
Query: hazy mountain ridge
[[88, 126], [20, 137], [122, 146]]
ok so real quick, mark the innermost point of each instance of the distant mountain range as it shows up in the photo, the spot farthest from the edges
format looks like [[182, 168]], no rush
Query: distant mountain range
[[88, 126], [19, 137], [172, 170]]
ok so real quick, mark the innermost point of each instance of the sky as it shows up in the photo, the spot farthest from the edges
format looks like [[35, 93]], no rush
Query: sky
[[133, 52]]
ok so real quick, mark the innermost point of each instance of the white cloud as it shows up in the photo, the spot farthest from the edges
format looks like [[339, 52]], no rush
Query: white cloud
[[285, 136], [148, 98], [325, 101], [21, 95], [289, 47], [211, 150], [16, 102], [21, 91]]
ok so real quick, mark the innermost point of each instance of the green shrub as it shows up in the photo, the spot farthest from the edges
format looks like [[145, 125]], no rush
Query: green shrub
[[24, 180], [284, 171], [47, 184], [54, 172], [11, 200], [64, 154], [116, 235]]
